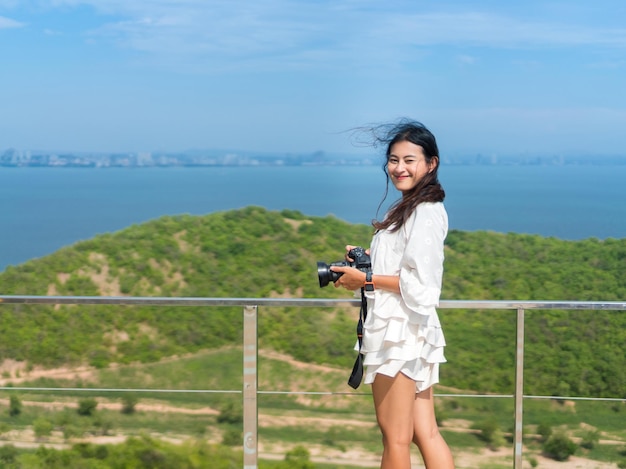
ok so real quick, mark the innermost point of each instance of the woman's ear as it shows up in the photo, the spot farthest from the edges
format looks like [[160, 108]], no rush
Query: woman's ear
[[432, 165]]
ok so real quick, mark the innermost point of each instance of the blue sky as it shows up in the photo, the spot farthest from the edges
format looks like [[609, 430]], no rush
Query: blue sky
[[290, 76]]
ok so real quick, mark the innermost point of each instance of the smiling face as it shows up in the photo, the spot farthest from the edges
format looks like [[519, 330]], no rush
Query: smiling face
[[407, 165]]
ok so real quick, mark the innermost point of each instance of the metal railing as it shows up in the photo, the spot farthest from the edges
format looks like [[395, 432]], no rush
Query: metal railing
[[250, 343]]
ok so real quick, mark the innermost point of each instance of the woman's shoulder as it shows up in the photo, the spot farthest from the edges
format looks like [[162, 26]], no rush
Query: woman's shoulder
[[429, 209], [429, 214]]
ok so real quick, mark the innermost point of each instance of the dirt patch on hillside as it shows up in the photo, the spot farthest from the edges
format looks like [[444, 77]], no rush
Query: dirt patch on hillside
[[273, 355], [16, 372], [295, 224]]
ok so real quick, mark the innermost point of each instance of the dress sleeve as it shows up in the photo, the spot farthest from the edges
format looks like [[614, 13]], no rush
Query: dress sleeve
[[421, 267]]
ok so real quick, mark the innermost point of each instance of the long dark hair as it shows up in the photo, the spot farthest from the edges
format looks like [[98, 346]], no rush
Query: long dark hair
[[428, 189]]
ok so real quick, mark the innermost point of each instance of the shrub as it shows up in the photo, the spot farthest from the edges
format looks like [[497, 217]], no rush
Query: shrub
[[8, 454], [128, 404], [72, 431], [231, 412], [559, 447], [590, 439], [490, 433], [545, 431], [298, 453], [298, 458], [87, 406], [103, 424], [91, 451], [100, 358], [15, 406], [232, 437], [42, 427]]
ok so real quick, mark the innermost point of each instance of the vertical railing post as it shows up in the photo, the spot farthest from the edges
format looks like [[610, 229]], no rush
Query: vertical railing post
[[519, 391], [250, 379]]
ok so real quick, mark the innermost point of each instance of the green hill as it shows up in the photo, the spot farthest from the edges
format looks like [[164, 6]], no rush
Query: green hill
[[258, 253]]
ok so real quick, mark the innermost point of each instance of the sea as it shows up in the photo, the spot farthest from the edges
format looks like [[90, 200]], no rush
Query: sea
[[44, 209]]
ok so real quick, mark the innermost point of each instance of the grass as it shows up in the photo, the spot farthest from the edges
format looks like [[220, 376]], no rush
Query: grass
[[496, 465], [265, 464], [461, 439], [609, 416], [335, 421], [608, 453]]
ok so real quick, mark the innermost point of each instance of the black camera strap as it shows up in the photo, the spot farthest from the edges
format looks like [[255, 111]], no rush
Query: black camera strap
[[357, 370]]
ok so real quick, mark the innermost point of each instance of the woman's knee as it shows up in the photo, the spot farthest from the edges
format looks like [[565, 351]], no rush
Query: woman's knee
[[423, 434], [395, 434], [396, 439]]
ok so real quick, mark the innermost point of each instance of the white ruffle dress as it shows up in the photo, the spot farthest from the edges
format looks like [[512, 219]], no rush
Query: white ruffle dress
[[402, 332]]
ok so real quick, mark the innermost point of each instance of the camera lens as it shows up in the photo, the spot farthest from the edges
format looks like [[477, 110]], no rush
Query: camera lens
[[325, 275]]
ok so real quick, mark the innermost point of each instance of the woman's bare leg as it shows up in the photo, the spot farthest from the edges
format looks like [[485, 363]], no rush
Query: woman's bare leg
[[394, 400], [426, 436]]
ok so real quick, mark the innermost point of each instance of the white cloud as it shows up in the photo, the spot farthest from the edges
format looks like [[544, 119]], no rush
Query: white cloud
[[346, 33], [224, 35], [498, 31], [218, 35], [6, 23]]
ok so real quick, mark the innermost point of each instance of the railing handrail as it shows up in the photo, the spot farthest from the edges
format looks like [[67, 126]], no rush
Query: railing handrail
[[306, 302], [250, 338]]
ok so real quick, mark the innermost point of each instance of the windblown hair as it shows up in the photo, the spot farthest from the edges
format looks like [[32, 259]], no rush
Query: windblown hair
[[428, 189]]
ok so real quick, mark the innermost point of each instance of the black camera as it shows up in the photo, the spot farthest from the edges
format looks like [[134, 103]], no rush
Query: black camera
[[361, 261]]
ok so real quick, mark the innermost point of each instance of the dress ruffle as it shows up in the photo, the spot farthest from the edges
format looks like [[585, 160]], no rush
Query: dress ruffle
[[404, 342]]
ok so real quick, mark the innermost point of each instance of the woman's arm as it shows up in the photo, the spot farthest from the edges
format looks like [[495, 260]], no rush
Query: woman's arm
[[353, 279], [421, 267]]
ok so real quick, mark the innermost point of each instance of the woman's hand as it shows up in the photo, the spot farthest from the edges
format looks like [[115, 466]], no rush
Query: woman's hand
[[349, 248], [352, 278]]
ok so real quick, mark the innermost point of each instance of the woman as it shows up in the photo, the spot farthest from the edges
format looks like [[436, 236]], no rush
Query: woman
[[402, 340]]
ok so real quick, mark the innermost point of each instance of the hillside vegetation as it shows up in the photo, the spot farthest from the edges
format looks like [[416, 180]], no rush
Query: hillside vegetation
[[253, 252]]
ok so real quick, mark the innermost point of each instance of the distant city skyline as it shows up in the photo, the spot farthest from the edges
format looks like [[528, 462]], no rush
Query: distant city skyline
[[207, 158], [488, 77]]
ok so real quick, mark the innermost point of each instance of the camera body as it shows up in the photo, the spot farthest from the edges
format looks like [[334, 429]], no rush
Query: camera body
[[361, 261]]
